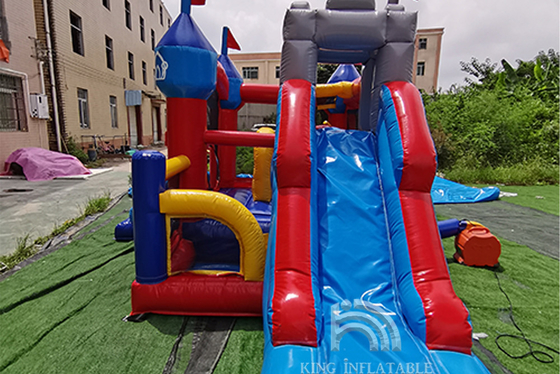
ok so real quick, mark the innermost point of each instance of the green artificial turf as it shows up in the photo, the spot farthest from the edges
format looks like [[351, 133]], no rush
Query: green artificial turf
[[531, 281], [62, 314], [544, 198], [244, 351]]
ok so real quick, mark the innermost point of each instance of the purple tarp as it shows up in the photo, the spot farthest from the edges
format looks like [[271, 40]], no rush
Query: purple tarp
[[39, 164]]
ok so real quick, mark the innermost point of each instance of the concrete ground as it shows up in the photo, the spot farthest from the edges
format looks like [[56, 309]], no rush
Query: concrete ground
[[43, 205]]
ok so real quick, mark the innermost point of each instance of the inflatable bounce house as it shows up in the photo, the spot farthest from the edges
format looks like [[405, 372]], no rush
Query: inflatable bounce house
[[334, 240]]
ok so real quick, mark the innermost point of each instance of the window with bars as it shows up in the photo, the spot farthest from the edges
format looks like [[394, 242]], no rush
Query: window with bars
[[422, 43], [420, 68], [76, 33], [153, 34], [113, 109], [277, 72], [130, 65], [161, 15], [142, 29], [109, 53], [12, 104], [83, 108], [127, 15], [250, 72]]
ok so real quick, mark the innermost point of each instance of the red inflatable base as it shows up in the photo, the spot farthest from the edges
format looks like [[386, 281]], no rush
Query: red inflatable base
[[202, 295]]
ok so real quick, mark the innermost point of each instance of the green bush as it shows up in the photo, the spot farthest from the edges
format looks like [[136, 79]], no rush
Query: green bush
[[97, 204], [502, 128], [488, 128], [74, 150], [528, 173], [244, 160]]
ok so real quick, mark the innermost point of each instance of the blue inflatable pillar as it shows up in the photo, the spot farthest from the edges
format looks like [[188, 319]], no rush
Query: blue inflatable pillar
[[150, 244]]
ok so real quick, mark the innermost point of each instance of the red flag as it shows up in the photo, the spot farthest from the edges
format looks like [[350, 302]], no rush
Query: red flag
[[4, 52], [198, 2], [231, 42]]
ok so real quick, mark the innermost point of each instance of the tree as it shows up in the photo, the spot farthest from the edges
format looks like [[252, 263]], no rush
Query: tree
[[484, 71], [324, 72], [540, 75], [507, 116]]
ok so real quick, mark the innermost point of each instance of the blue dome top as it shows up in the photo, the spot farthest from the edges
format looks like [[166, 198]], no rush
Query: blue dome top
[[229, 67], [185, 32], [344, 73]]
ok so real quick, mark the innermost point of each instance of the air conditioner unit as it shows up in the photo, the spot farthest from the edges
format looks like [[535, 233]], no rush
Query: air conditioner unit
[[39, 106]]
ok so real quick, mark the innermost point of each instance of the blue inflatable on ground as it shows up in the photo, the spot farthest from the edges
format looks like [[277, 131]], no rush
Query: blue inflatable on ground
[[448, 192]]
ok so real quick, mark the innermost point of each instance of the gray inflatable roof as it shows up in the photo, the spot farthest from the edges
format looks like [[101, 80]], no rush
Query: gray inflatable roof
[[350, 31]]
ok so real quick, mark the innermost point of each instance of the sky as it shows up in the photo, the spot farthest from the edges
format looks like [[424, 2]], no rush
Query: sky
[[495, 29]]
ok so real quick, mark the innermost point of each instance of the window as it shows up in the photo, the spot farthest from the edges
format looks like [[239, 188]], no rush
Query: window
[[12, 105], [420, 67], [251, 72], [127, 15], [161, 15], [83, 108], [153, 39], [152, 5], [142, 28], [422, 43], [109, 53], [144, 73], [107, 4], [130, 65], [277, 72], [76, 32], [168, 22], [113, 109]]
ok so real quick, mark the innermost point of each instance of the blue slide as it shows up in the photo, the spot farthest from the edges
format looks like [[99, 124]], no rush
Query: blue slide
[[363, 328]]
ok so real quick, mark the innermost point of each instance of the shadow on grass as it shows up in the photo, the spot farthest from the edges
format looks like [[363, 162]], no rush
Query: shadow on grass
[[496, 269], [167, 325]]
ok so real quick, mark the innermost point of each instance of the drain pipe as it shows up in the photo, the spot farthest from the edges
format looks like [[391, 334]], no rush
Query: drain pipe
[[51, 77], [42, 77]]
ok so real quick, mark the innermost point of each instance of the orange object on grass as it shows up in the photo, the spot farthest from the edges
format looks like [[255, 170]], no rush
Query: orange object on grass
[[476, 246]]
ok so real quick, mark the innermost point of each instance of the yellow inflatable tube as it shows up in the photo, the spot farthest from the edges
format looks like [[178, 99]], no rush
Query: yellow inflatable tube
[[262, 190], [176, 165], [230, 212], [345, 90]]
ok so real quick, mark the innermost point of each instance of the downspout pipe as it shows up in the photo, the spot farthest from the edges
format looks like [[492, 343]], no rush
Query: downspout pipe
[[51, 77], [42, 77]]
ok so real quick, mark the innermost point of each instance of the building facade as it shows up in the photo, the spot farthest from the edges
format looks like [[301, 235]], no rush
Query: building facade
[[102, 69], [258, 68], [264, 68], [426, 59], [20, 80]]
